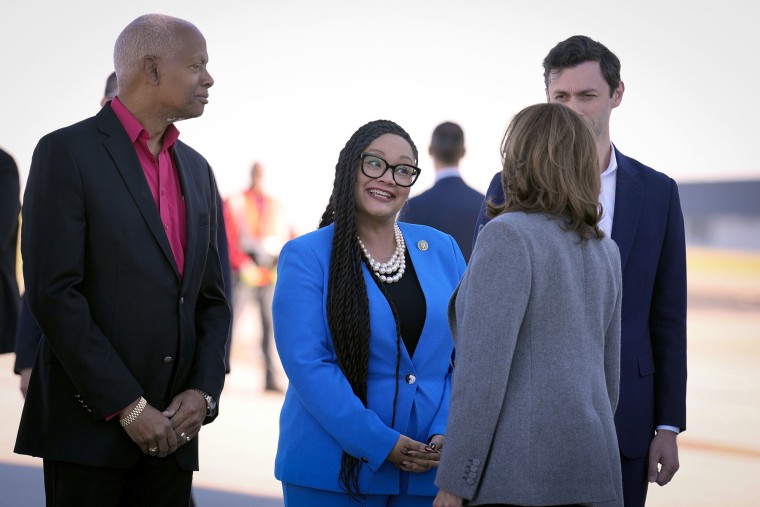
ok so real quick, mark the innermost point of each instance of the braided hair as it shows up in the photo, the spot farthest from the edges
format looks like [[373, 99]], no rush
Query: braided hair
[[347, 302]]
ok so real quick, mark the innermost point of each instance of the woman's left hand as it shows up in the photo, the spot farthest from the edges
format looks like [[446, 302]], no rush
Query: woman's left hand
[[424, 460], [446, 499]]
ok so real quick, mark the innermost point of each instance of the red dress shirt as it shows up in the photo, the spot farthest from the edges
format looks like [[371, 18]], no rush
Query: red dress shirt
[[162, 177]]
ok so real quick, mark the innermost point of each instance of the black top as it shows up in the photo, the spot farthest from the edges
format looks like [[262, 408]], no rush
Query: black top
[[407, 297]]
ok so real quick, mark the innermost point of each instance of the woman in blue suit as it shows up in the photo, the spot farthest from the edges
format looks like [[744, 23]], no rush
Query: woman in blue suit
[[361, 328]]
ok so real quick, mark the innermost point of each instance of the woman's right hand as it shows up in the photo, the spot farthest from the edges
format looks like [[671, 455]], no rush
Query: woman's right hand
[[400, 457]]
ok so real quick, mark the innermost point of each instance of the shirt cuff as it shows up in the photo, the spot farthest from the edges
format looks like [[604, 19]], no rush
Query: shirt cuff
[[669, 428]]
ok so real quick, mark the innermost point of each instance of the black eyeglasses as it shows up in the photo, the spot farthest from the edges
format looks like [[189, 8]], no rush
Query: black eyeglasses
[[374, 167]]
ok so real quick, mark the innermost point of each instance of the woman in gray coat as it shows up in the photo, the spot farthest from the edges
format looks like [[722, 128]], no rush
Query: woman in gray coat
[[536, 324]]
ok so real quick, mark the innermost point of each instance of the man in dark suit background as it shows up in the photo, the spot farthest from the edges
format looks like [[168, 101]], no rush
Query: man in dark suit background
[[123, 275], [450, 205], [642, 213], [9, 208], [112, 88]]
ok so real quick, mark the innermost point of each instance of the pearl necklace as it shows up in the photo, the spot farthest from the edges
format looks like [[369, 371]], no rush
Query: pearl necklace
[[392, 270]]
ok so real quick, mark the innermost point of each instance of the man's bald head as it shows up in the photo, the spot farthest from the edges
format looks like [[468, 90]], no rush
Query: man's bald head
[[153, 35]]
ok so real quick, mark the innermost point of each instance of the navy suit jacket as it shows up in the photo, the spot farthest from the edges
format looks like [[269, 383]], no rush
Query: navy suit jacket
[[9, 208], [101, 280], [449, 206], [648, 229]]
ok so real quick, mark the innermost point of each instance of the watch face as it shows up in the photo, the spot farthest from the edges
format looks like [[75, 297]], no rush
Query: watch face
[[210, 404]]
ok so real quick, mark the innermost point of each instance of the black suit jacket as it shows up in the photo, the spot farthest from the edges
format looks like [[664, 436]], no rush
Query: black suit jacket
[[9, 208], [449, 206], [101, 280], [29, 334]]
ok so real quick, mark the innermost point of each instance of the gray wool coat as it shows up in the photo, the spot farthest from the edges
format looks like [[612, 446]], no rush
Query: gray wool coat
[[536, 325]]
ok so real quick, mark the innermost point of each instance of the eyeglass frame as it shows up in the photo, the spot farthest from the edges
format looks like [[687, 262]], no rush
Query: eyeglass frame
[[362, 156]]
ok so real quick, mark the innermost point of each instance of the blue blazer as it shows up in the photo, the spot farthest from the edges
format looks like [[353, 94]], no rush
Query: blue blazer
[[648, 229], [449, 206], [321, 417]]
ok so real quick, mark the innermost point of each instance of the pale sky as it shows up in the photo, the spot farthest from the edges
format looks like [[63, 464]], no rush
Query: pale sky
[[295, 78]]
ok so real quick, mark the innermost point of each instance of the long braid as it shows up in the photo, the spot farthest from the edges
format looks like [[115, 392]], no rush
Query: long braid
[[398, 345], [347, 300]]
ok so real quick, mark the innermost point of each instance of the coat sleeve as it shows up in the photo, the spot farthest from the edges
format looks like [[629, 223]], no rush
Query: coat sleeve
[[668, 321], [212, 313], [54, 213], [28, 336], [305, 348], [612, 336], [9, 213], [489, 309], [9, 198]]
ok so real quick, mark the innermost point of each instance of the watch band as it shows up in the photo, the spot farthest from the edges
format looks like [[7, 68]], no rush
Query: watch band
[[209, 399]]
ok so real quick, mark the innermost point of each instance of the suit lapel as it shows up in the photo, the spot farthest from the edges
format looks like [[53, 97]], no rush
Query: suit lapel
[[628, 204], [185, 172], [420, 260], [123, 154]]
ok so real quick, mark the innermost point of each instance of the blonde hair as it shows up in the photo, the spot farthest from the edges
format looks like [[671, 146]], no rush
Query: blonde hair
[[550, 165]]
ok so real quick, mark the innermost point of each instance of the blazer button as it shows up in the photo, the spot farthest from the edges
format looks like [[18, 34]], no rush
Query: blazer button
[[182, 301], [476, 462], [410, 379], [470, 481], [168, 359]]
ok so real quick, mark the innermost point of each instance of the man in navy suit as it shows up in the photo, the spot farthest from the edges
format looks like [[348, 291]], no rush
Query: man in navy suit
[[450, 205], [130, 296], [642, 213]]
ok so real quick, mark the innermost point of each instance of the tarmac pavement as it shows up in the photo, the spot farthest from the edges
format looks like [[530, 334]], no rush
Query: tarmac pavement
[[719, 453]]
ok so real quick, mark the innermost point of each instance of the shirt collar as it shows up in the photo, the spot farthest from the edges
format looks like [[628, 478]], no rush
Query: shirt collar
[[446, 172], [135, 129], [612, 167]]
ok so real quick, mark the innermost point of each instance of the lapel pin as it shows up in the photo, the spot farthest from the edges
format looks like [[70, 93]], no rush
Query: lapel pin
[[422, 245]]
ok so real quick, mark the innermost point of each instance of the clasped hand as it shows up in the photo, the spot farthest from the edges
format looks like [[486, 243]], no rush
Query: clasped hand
[[162, 433], [412, 456]]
